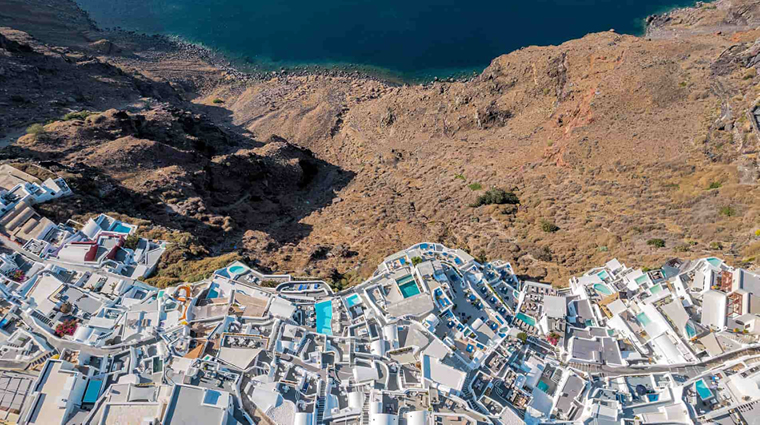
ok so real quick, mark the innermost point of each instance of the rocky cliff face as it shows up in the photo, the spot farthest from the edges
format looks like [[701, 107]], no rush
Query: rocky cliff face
[[609, 141], [184, 177]]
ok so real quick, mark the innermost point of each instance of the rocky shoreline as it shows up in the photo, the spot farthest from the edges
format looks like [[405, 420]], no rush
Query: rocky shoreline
[[247, 70]]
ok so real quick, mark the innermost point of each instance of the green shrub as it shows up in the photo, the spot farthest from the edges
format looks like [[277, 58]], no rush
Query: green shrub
[[460, 177], [35, 129], [727, 211], [714, 185], [496, 196], [81, 115], [522, 336], [131, 241], [548, 226], [656, 242], [217, 101], [416, 260], [475, 186], [682, 248], [716, 246]]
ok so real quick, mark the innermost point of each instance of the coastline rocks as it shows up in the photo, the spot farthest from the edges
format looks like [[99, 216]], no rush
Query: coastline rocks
[[105, 47]]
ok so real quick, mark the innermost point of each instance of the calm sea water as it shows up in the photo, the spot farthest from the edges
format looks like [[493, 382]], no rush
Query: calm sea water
[[412, 38]]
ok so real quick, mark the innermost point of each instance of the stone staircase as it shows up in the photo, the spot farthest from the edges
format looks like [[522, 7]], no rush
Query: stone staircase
[[466, 391], [365, 411], [321, 403], [42, 318], [39, 360]]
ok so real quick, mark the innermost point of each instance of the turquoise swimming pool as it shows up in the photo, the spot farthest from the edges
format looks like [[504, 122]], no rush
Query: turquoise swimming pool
[[324, 313], [641, 280], [703, 391], [656, 289], [602, 289], [92, 391], [690, 331], [716, 262], [643, 318], [527, 319], [603, 275], [237, 269], [212, 292], [353, 300], [120, 228], [408, 286]]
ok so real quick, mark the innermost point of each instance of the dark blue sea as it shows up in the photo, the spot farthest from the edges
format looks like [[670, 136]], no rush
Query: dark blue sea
[[410, 38]]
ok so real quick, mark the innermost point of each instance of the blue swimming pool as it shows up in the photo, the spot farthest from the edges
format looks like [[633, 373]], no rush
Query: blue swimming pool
[[237, 269], [641, 280], [92, 391], [353, 300], [715, 262], [690, 331], [120, 228], [211, 397], [702, 389], [212, 292], [527, 319], [324, 314], [602, 289], [408, 286]]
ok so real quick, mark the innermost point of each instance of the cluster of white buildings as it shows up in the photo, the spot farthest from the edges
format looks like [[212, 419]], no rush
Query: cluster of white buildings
[[433, 337]]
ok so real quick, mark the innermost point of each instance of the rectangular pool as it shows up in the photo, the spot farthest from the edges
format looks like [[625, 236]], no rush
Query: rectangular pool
[[527, 319], [120, 228], [352, 300], [702, 390], [211, 397], [641, 280], [93, 391], [408, 286], [324, 313]]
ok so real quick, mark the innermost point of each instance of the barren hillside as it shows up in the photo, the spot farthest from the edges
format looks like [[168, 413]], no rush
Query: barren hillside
[[610, 142]]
